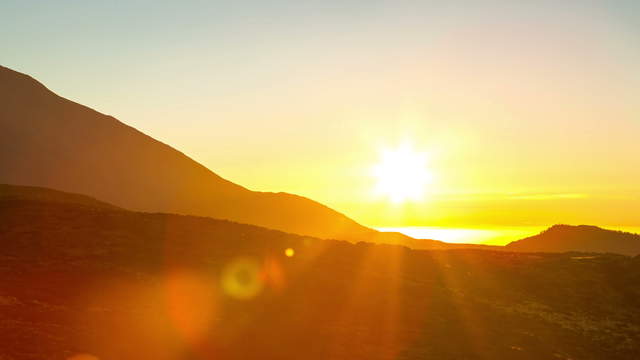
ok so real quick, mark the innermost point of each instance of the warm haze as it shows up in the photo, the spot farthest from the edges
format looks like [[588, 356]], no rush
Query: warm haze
[[319, 180], [527, 113]]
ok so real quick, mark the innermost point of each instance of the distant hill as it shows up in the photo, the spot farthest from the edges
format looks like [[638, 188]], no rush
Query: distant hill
[[49, 141], [584, 238], [117, 284], [10, 193]]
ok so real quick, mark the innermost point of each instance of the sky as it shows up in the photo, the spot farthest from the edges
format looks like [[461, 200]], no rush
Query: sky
[[528, 112]]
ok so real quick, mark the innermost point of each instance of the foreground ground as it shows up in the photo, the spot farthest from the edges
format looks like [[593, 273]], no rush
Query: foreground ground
[[78, 277]]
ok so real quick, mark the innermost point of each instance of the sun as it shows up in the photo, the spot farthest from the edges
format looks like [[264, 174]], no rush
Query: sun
[[402, 174]]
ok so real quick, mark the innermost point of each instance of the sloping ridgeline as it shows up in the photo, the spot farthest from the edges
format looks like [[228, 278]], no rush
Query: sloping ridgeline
[[49, 141], [85, 277], [561, 238]]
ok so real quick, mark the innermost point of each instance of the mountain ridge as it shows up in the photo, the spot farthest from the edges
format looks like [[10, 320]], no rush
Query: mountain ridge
[[17, 193], [53, 142], [584, 238], [32, 194], [10, 193]]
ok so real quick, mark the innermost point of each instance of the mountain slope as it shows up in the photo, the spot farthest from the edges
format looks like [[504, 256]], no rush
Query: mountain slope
[[118, 284], [49, 141], [11, 193], [562, 238]]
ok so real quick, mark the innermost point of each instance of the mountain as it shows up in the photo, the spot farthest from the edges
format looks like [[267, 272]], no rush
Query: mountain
[[49, 141], [77, 277], [11, 193], [584, 238]]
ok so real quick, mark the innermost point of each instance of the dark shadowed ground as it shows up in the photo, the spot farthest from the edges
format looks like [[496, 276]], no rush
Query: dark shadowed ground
[[83, 277]]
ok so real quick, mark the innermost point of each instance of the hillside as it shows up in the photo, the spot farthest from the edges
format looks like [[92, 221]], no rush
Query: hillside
[[125, 285], [22, 194], [52, 142], [562, 238]]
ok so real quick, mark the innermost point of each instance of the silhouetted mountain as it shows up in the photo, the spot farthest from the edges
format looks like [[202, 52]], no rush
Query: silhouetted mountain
[[9, 193], [562, 238], [125, 285], [46, 140]]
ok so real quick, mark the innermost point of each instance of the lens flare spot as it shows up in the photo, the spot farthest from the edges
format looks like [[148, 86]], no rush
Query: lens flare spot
[[273, 274], [289, 252], [191, 303], [242, 279]]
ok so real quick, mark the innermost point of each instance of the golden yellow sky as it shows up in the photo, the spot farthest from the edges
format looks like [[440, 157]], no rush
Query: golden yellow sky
[[528, 111]]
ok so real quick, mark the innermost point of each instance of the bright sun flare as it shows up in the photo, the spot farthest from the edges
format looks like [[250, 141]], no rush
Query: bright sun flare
[[402, 174]]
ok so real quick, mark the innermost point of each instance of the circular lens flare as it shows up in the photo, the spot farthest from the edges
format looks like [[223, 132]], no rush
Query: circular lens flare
[[242, 279]]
